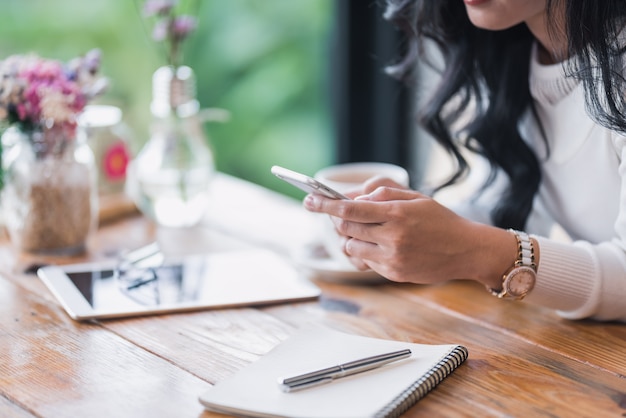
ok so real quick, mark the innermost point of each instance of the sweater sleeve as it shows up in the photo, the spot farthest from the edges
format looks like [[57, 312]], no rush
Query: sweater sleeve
[[585, 280], [581, 280]]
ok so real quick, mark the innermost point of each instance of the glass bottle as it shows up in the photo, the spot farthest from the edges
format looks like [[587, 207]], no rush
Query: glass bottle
[[108, 137], [50, 197], [169, 179]]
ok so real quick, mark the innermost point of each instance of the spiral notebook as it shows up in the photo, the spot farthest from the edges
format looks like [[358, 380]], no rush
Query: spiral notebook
[[386, 391]]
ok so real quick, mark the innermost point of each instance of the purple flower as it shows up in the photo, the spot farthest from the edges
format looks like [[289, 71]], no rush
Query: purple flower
[[182, 26], [92, 60], [160, 30], [158, 7], [169, 27], [37, 91]]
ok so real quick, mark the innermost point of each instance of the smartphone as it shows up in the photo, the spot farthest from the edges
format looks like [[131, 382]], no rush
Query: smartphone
[[306, 183]]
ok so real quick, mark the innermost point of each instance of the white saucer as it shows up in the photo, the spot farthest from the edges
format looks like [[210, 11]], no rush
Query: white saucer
[[316, 261]]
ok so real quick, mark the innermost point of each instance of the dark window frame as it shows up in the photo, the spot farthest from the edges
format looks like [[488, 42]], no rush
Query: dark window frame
[[374, 116]]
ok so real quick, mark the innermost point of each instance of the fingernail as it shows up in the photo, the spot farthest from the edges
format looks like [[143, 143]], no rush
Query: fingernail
[[310, 202]]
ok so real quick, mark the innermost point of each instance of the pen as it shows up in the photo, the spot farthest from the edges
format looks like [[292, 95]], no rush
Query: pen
[[328, 374]]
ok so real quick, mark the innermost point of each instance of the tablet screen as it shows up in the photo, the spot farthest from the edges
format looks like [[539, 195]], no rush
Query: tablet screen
[[165, 285], [224, 279]]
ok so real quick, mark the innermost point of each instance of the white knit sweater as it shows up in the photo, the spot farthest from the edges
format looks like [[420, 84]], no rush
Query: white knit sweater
[[579, 214]]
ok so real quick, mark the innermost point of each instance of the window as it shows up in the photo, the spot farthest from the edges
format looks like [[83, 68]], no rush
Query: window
[[303, 79], [265, 61]]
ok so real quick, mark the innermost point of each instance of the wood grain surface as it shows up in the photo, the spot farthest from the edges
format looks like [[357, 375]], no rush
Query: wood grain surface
[[524, 360]]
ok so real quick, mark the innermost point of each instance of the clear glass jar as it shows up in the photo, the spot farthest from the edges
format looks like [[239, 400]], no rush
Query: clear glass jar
[[170, 177], [109, 138], [49, 197]]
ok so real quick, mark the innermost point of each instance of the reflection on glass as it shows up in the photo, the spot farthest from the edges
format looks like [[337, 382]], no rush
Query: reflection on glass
[[150, 286]]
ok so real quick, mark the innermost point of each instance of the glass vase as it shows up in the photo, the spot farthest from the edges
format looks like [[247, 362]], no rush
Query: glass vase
[[49, 197], [169, 178]]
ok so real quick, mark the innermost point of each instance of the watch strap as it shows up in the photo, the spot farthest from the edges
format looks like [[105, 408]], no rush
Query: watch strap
[[525, 258], [525, 250]]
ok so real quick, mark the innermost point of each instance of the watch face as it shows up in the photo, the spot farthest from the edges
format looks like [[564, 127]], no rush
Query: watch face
[[520, 281]]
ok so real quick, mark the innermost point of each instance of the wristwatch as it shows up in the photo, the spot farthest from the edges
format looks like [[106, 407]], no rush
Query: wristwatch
[[520, 278]]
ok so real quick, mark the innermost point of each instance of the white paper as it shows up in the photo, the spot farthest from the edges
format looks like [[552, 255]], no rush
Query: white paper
[[254, 390]]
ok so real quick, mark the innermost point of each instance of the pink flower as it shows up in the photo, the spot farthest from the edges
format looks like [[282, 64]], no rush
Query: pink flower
[[182, 26], [160, 30], [37, 91], [22, 112], [115, 161], [169, 27], [158, 7]]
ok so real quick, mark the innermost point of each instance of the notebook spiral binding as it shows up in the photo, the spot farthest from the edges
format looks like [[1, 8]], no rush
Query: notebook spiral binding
[[421, 387]]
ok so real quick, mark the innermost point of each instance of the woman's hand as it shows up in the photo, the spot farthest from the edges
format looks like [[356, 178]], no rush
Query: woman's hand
[[408, 237], [369, 186]]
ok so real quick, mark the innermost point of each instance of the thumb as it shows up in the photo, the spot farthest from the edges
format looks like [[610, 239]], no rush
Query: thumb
[[390, 193]]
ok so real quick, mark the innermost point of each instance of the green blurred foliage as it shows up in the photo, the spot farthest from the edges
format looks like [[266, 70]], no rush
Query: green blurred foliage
[[265, 61]]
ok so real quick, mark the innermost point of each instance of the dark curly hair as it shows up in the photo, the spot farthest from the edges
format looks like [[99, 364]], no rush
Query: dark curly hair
[[490, 69]]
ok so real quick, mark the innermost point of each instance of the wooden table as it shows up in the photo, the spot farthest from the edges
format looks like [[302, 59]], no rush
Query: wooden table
[[524, 360]]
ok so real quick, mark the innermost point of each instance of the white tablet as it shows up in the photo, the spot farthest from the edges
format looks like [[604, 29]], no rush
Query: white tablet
[[215, 280]]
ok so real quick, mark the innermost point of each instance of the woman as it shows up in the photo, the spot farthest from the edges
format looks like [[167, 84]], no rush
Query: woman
[[535, 87]]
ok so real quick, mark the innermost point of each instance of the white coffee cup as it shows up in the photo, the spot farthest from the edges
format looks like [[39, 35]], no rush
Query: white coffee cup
[[346, 178]]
